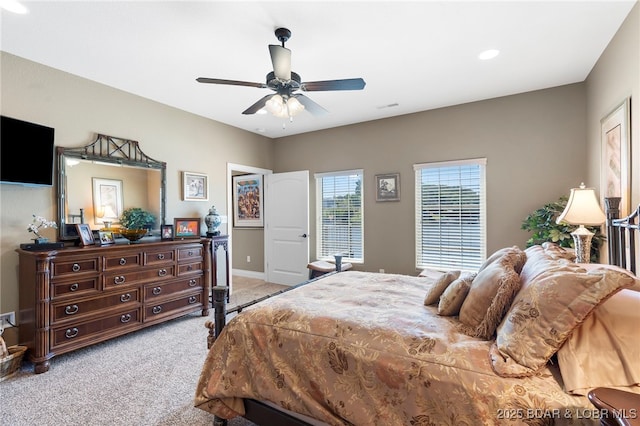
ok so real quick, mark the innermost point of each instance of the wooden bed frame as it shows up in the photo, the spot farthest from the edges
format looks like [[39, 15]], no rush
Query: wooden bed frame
[[622, 234]]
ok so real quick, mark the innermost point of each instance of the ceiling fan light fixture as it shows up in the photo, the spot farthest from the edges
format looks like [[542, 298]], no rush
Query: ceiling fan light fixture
[[280, 108]]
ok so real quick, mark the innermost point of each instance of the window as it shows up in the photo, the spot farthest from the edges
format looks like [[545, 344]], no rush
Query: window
[[339, 215], [451, 214]]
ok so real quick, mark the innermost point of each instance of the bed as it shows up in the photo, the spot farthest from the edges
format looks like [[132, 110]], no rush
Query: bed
[[508, 344]]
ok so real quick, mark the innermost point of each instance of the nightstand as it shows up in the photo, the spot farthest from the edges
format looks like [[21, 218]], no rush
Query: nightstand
[[618, 408]]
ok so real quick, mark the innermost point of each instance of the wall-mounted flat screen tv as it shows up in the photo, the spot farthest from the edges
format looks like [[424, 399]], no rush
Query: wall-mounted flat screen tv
[[26, 153]]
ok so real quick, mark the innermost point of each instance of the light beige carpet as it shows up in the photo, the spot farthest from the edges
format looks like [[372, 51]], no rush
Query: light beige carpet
[[144, 378]]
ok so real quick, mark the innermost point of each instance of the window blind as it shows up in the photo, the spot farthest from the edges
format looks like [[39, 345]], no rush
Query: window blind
[[450, 214], [339, 220]]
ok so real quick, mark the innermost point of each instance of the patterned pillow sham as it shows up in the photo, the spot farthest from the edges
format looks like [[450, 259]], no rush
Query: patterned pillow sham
[[489, 298], [545, 313], [435, 291], [454, 295], [513, 255]]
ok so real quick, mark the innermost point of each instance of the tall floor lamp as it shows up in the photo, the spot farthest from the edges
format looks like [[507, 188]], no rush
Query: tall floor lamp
[[582, 209]]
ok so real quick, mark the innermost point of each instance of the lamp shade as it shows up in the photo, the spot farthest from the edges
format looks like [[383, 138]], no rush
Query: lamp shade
[[582, 208]]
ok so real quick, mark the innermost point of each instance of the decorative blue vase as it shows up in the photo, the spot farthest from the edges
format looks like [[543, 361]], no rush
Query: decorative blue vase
[[213, 221]]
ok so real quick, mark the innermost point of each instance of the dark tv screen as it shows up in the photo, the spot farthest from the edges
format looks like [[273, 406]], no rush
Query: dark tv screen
[[26, 153]]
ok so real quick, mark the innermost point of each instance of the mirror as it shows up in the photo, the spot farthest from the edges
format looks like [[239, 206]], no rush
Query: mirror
[[98, 181]]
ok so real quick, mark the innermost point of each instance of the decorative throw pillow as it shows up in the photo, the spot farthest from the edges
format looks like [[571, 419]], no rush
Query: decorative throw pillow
[[514, 255], [435, 291], [454, 295], [543, 258], [545, 313], [489, 297]]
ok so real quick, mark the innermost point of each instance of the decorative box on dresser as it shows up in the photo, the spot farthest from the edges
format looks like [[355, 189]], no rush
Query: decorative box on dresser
[[75, 297]]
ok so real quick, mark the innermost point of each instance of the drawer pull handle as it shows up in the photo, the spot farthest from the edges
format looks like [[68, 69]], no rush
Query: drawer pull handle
[[162, 272], [125, 297], [123, 261], [125, 318], [160, 256], [71, 333], [156, 309], [75, 267], [120, 279], [74, 287], [193, 300], [190, 252], [71, 309], [157, 290], [192, 283], [189, 267]]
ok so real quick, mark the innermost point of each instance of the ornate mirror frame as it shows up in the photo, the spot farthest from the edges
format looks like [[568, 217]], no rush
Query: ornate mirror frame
[[110, 150]]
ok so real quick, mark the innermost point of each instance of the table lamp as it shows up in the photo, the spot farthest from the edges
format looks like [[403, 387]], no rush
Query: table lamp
[[582, 209], [107, 215]]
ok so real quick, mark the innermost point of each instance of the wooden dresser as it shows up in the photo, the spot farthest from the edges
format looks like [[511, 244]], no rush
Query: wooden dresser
[[75, 297]]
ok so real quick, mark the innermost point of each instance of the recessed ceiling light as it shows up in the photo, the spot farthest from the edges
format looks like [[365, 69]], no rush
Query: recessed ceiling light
[[13, 6], [488, 54]]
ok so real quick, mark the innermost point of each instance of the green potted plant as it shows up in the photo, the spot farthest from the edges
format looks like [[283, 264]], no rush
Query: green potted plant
[[137, 218], [542, 223]]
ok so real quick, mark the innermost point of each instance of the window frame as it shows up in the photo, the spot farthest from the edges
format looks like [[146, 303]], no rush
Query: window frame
[[450, 261], [319, 212]]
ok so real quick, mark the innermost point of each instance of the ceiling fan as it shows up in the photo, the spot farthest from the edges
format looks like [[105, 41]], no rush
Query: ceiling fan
[[286, 102]]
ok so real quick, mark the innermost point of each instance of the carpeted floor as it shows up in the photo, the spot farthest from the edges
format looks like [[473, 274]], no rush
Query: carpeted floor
[[144, 378]]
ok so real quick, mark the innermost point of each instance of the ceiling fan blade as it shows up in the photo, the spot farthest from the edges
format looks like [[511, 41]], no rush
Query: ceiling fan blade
[[281, 60], [230, 82], [346, 84], [257, 106], [310, 105]]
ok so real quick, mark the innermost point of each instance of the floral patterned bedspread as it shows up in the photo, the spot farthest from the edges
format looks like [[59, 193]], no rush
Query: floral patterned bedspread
[[361, 348]]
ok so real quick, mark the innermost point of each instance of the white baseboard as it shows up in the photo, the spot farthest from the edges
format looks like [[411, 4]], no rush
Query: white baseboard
[[248, 274]]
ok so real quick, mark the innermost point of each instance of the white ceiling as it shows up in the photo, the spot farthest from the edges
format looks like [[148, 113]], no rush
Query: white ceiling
[[419, 55]]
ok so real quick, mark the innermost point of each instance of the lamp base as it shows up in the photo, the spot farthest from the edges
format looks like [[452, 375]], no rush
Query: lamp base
[[582, 240]]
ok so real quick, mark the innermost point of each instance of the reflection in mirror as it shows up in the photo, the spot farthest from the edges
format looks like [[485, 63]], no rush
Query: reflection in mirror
[[97, 182]]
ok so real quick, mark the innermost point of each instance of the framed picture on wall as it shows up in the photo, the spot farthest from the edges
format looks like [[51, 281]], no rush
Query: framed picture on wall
[[615, 176], [388, 187], [248, 207], [107, 200], [195, 186], [186, 227]]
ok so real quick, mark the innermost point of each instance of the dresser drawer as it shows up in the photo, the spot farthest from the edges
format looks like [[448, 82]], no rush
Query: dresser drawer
[[190, 253], [77, 309], [72, 267], [189, 268], [82, 286], [159, 257], [164, 290], [122, 261], [184, 304], [138, 276], [82, 331]]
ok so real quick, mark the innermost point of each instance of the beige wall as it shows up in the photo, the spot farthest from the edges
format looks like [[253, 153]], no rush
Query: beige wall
[[615, 77], [533, 142], [78, 109]]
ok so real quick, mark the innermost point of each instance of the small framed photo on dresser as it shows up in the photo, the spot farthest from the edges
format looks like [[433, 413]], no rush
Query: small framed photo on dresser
[[186, 227], [106, 238], [86, 236], [166, 232]]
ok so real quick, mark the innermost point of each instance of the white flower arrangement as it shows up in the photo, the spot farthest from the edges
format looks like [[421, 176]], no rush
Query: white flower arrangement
[[38, 223]]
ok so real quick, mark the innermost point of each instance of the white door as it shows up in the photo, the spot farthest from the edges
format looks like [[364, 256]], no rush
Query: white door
[[286, 233]]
